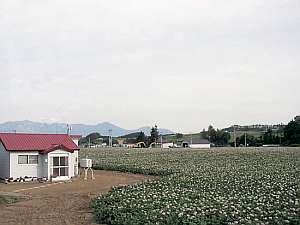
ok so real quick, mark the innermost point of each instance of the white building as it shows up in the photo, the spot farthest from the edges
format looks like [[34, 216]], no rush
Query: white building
[[167, 145], [162, 144], [47, 156], [196, 143]]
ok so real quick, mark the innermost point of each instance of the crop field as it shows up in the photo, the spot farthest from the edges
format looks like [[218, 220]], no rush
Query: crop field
[[217, 186]]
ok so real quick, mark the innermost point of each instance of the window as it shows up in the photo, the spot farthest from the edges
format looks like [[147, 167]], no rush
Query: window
[[28, 159], [55, 161], [59, 166], [33, 159], [23, 159], [63, 161]]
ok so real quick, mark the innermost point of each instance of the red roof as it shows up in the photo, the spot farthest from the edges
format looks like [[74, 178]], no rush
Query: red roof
[[43, 143]]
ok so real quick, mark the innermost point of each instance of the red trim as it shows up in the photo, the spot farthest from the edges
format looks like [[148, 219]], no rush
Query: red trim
[[57, 147], [76, 136]]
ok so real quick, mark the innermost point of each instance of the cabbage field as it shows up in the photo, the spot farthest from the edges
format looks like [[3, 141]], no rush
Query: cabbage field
[[217, 186]]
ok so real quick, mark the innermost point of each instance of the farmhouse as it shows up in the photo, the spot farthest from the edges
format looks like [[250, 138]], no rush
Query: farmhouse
[[196, 143], [47, 156]]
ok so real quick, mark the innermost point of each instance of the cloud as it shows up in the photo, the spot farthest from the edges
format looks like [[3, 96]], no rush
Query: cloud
[[138, 62]]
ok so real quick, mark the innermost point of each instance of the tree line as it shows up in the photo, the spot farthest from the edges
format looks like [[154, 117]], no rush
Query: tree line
[[288, 135]]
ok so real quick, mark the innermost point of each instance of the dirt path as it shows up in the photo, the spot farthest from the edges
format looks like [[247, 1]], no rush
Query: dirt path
[[63, 203]]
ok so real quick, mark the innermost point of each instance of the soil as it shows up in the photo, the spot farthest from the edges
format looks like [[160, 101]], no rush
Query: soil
[[63, 203]]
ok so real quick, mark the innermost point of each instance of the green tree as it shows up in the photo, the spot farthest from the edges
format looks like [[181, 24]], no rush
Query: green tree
[[271, 138], [82, 141], [212, 134], [204, 134], [179, 136], [141, 137], [221, 138], [251, 140], [292, 131], [92, 138], [154, 134]]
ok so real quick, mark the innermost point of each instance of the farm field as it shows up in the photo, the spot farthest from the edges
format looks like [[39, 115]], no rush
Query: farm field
[[217, 186]]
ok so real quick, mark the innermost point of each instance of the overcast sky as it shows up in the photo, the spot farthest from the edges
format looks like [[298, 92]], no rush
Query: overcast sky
[[183, 64]]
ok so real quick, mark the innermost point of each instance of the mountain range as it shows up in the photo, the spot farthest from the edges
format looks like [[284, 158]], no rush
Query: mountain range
[[27, 126]]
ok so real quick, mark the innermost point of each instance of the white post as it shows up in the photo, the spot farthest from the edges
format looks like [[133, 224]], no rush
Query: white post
[[110, 138]]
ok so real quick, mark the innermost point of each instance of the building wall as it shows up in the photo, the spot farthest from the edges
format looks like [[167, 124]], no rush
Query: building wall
[[43, 166], [22, 170], [4, 162], [75, 161], [199, 146]]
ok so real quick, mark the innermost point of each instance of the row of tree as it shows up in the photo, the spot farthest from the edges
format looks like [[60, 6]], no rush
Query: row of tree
[[153, 138], [217, 137], [95, 139], [289, 135]]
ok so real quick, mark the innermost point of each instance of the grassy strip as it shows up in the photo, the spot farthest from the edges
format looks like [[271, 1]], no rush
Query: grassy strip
[[134, 170], [7, 199]]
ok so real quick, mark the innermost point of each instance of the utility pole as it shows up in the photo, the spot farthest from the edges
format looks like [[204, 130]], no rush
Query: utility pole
[[245, 139], [69, 128], [110, 138], [234, 134]]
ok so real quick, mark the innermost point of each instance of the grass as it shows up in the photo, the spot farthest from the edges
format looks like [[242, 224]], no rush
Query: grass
[[7, 199]]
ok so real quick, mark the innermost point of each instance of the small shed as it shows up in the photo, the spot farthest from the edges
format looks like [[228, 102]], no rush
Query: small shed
[[47, 156]]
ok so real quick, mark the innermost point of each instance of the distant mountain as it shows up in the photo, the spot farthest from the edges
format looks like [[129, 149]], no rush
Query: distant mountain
[[27, 126]]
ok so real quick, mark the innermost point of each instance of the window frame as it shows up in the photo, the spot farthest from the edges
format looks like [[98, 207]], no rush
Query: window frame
[[21, 163], [28, 161], [35, 161], [59, 166]]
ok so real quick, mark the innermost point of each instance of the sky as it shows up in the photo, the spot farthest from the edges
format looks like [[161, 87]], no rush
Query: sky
[[180, 64]]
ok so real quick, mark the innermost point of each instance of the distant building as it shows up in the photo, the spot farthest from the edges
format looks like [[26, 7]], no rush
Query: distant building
[[196, 143], [162, 144], [167, 145]]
